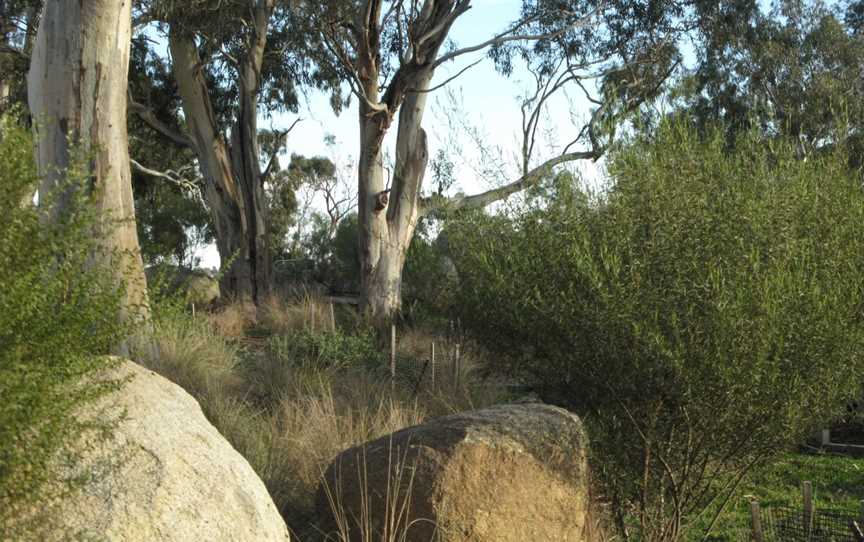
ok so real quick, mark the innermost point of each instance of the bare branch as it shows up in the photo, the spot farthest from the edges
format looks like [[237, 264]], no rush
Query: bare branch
[[511, 35], [280, 135], [496, 194], [448, 81], [149, 117], [172, 176]]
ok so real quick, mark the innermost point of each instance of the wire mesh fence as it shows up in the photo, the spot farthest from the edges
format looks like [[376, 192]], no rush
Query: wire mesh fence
[[807, 523], [785, 524]]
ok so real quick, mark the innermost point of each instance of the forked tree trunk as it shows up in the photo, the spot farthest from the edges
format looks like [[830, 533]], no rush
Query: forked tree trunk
[[77, 92], [385, 240], [234, 189], [388, 220]]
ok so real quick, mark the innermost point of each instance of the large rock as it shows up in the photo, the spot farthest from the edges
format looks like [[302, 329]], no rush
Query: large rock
[[165, 475], [506, 473]]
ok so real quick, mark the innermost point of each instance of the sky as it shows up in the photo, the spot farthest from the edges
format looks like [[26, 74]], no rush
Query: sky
[[488, 102]]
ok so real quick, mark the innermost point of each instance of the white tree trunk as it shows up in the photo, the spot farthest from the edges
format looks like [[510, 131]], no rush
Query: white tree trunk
[[390, 230], [77, 88]]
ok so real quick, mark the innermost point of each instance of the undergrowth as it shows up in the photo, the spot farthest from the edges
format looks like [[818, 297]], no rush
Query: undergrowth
[[291, 401]]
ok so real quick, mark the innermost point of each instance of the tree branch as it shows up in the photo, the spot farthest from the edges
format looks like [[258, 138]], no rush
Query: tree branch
[[483, 199], [448, 80], [280, 135], [511, 35], [170, 175], [149, 117]]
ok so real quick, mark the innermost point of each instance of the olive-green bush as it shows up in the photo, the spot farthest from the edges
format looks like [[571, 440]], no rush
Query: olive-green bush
[[702, 314], [56, 319]]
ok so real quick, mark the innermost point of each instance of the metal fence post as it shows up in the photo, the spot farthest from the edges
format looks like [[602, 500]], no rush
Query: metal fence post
[[393, 352]]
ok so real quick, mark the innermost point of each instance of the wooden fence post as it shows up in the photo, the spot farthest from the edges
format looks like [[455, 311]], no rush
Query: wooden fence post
[[457, 367], [756, 522], [332, 317], [432, 362], [807, 490]]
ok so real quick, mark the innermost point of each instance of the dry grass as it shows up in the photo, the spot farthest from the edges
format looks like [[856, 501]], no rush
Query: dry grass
[[395, 522], [301, 310], [233, 319], [192, 354], [457, 382], [290, 420]]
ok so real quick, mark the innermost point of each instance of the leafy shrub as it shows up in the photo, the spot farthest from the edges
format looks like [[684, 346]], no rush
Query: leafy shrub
[[324, 350], [702, 316], [57, 314]]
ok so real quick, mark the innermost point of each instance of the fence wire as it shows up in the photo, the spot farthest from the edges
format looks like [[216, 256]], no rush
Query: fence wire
[[783, 524]]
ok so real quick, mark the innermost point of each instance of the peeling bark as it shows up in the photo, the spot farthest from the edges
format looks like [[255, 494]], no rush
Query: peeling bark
[[77, 89]]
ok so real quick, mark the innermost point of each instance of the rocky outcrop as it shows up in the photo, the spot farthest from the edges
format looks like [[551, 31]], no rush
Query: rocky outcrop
[[506, 473], [166, 474]]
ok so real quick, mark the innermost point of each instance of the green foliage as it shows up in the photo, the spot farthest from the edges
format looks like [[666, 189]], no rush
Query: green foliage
[[793, 71], [57, 315], [429, 282], [702, 317], [333, 350], [316, 174], [171, 224]]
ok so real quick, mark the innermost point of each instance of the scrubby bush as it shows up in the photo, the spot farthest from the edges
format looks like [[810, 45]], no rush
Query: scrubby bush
[[57, 315], [702, 315], [325, 350]]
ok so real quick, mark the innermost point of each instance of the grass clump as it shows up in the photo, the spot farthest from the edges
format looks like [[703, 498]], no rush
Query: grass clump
[[325, 350], [298, 311], [58, 315]]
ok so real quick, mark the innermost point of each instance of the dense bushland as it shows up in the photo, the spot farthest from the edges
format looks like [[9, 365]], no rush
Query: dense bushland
[[702, 314], [55, 322]]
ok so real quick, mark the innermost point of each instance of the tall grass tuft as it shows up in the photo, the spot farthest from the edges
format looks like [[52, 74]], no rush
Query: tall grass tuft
[[301, 310]]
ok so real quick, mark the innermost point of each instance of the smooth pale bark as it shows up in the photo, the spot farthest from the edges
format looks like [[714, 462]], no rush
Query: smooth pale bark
[[77, 90], [395, 227], [234, 187]]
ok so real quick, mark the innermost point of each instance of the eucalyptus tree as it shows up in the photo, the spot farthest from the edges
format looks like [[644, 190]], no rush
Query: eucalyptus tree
[[389, 51], [77, 88], [232, 61], [793, 70]]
